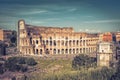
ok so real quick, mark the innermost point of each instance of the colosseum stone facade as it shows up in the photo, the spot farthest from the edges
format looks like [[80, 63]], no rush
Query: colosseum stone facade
[[39, 40]]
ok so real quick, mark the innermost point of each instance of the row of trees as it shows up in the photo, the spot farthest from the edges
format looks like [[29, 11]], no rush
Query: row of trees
[[17, 64], [83, 60]]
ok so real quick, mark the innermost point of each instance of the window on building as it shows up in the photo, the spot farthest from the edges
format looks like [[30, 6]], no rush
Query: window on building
[[62, 43], [80, 50], [77, 50], [47, 51], [54, 43], [50, 43], [73, 51], [70, 51], [36, 41], [80, 37], [29, 51], [41, 51], [77, 42], [26, 42], [43, 41], [66, 38], [73, 42], [36, 51], [46, 42], [62, 51], [83, 50], [66, 51], [54, 51], [58, 51], [50, 38], [66, 43], [70, 42], [26, 51], [84, 42]]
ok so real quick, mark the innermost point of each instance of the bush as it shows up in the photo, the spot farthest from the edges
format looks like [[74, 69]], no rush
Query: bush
[[116, 76], [102, 74], [2, 59], [1, 68], [30, 62], [24, 68], [21, 60], [18, 63], [83, 61]]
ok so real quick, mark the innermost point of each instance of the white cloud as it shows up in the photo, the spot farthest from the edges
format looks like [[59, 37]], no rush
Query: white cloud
[[52, 19], [103, 21], [72, 9], [33, 12], [89, 30], [37, 22]]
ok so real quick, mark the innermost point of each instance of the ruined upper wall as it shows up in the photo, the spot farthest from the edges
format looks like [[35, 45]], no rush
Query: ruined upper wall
[[43, 29]]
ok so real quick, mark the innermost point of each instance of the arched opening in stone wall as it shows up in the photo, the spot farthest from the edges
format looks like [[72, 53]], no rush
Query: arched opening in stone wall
[[80, 42], [73, 42], [58, 51], [47, 51], [73, 51], [36, 41], [77, 50], [66, 43], [83, 42], [29, 51], [62, 43], [66, 51], [50, 38], [70, 51], [46, 42], [86, 50], [26, 51], [80, 50], [54, 51], [54, 43], [66, 38], [26, 42], [89, 50], [83, 50], [50, 43], [41, 51], [70, 42], [62, 51], [77, 42], [36, 51]]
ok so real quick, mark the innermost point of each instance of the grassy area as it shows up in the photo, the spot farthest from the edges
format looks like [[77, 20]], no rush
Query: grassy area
[[52, 67], [59, 69]]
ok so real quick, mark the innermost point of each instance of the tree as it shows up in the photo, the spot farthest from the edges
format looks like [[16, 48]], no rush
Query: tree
[[30, 62], [82, 60], [116, 76]]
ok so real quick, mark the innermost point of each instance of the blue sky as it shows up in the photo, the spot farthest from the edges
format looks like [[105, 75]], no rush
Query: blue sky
[[82, 15]]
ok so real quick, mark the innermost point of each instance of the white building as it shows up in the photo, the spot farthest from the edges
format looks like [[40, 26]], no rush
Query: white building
[[105, 54]]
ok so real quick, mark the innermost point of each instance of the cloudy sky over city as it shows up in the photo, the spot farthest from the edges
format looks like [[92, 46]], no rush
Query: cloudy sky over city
[[82, 15]]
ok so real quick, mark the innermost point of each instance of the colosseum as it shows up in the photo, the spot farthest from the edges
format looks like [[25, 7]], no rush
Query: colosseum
[[40, 40]]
